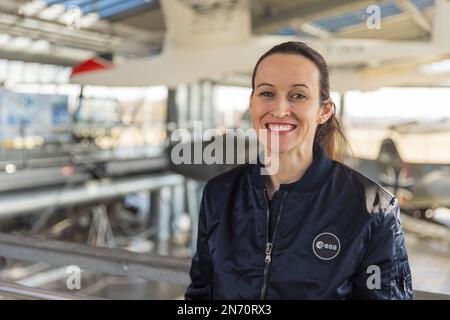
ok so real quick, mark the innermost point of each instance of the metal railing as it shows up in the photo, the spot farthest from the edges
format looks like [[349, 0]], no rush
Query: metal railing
[[110, 261], [19, 292], [115, 261]]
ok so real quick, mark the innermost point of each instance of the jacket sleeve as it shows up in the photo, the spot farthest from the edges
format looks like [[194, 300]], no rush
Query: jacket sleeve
[[201, 271], [384, 272]]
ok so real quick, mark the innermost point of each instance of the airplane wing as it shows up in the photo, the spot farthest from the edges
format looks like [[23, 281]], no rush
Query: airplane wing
[[179, 66], [199, 45], [187, 65]]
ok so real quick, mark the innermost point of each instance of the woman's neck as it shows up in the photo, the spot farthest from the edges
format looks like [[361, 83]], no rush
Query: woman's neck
[[292, 166]]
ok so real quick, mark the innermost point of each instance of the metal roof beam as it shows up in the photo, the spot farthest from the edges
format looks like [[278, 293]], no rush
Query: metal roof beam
[[39, 58], [416, 14], [302, 14], [104, 33]]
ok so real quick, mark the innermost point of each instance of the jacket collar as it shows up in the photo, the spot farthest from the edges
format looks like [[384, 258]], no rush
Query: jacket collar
[[312, 180]]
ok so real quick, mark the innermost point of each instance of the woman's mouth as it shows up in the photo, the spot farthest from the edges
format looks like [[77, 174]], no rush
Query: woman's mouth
[[280, 128]]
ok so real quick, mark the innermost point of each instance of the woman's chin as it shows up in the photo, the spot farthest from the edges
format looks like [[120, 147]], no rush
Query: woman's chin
[[281, 148]]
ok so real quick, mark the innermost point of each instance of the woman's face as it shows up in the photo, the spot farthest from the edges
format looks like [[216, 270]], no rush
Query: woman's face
[[286, 101]]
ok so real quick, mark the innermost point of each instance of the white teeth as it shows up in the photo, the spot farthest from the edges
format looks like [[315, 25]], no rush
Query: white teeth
[[280, 127]]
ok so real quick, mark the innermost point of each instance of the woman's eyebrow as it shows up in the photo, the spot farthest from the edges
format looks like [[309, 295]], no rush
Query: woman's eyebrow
[[294, 85], [264, 84], [300, 85]]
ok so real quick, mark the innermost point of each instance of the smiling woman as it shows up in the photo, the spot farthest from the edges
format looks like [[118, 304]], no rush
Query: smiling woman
[[294, 104], [312, 228], [306, 88]]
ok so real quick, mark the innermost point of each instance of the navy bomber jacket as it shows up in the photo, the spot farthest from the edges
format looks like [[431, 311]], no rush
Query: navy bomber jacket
[[334, 234]]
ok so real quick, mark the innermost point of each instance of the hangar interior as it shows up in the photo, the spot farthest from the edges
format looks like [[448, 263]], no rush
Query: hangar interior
[[92, 92]]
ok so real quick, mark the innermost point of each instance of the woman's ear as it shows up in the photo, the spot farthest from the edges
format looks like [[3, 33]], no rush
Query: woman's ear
[[326, 111]]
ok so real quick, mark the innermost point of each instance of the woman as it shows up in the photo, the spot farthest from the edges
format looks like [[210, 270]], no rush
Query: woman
[[313, 228]]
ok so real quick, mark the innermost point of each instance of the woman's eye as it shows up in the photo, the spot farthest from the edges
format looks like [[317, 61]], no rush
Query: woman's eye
[[266, 94], [298, 96]]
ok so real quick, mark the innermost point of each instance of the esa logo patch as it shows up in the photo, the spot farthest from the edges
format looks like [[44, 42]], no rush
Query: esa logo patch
[[326, 246]]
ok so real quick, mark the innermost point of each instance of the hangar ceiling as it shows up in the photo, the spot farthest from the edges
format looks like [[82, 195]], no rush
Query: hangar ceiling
[[66, 32]]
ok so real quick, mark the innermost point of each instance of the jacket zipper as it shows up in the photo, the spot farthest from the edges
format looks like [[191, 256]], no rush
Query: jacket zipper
[[268, 249], [269, 245]]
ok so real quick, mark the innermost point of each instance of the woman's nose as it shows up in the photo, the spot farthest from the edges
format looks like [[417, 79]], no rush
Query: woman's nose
[[281, 109]]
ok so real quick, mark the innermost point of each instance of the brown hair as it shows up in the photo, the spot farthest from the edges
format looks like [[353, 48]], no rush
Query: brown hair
[[329, 134]]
